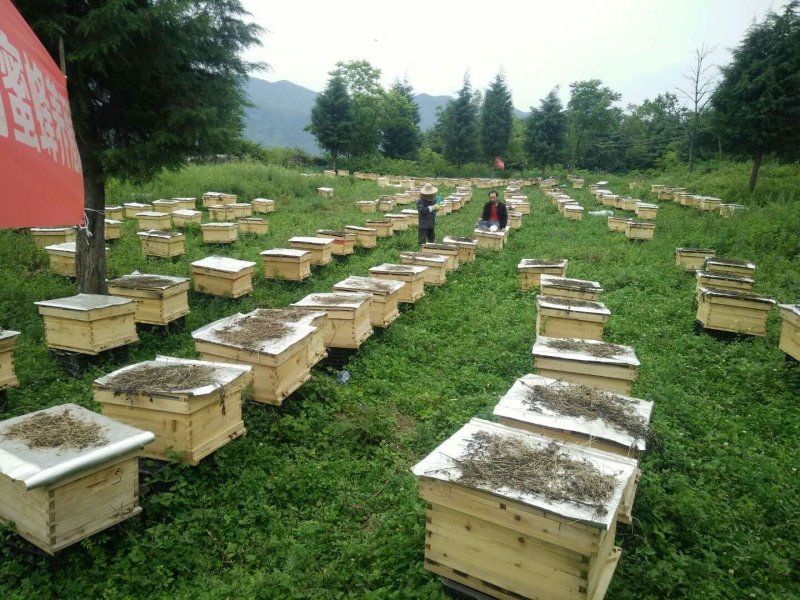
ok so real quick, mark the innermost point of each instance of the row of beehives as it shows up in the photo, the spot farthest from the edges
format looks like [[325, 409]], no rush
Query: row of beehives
[[635, 230], [408, 182], [387, 202], [681, 196], [567, 206]]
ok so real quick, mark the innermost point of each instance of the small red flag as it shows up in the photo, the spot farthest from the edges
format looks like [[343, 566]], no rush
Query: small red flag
[[498, 163]]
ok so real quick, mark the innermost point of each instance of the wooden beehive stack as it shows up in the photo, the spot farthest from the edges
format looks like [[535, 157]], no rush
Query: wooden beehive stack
[[435, 263], [348, 323], [286, 263], [217, 198], [114, 212], [223, 276], [185, 203], [366, 237], [617, 223], [8, 377], [183, 217], [639, 230], [709, 203], [605, 366], [531, 270], [490, 240], [729, 210], [131, 209], [221, 213], [193, 407], [573, 212], [263, 205], [162, 243], [385, 204], [412, 215], [382, 227], [730, 266], [724, 281], [51, 236], [399, 221], [692, 259], [165, 206], [57, 495], [412, 277], [160, 299], [733, 311], [385, 296], [448, 250], [219, 233], [646, 211], [466, 247], [112, 230], [280, 345], [628, 203], [570, 318], [253, 225], [344, 242], [154, 221], [320, 248], [574, 413], [790, 330], [367, 206], [502, 542], [62, 258], [241, 210], [564, 287]]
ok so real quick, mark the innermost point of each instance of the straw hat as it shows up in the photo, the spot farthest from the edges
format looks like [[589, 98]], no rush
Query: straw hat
[[428, 190]]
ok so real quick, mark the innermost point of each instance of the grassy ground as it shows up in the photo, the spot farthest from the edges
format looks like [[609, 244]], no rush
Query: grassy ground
[[318, 501]]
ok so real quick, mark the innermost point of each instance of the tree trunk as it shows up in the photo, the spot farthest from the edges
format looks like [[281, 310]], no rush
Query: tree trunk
[[691, 152], [335, 168], [719, 145], [754, 173], [90, 255]]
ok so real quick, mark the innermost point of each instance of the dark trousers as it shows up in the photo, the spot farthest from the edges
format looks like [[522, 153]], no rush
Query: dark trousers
[[426, 235]]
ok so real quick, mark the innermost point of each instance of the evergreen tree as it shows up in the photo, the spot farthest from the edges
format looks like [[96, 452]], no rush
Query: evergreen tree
[[400, 133], [362, 82], [150, 83], [652, 128], [332, 119], [592, 123], [545, 130], [497, 117], [459, 127], [757, 104]]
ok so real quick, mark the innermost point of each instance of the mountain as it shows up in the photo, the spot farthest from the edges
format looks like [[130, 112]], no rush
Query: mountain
[[427, 108]]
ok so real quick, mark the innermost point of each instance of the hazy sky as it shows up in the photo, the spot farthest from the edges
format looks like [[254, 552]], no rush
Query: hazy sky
[[637, 47]]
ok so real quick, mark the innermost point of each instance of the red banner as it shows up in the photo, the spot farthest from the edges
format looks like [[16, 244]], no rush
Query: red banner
[[41, 182], [498, 163]]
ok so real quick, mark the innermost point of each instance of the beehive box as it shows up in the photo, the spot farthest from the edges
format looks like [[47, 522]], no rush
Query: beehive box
[[709, 204], [635, 230], [570, 318], [62, 258], [605, 366], [154, 221], [344, 242], [165, 206], [531, 269], [217, 198], [280, 345], [411, 276], [263, 205], [325, 192], [664, 193], [131, 209], [790, 330], [185, 203], [722, 281], [729, 210], [399, 221], [435, 263], [656, 187], [112, 229], [382, 227], [466, 247], [162, 243], [320, 248], [286, 263], [114, 212], [219, 233], [8, 341], [677, 192], [51, 236], [88, 323], [349, 321], [515, 220], [221, 212], [183, 217], [412, 215], [385, 297], [448, 250], [731, 266], [160, 299], [193, 407], [628, 203], [253, 225], [733, 311], [366, 237], [646, 211], [508, 543], [573, 212], [367, 206], [577, 183], [223, 276], [385, 203], [56, 496], [692, 259], [241, 210], [523, 207], [617, 223], [610, 200], [564, 287], [572, 413], [562, 203], [490, 240]]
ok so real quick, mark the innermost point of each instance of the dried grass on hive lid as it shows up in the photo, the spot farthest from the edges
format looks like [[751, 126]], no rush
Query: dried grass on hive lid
[[543, 261], [570, 302], [333, 299], [601, 350], [399, 268], [372, 284], [141, 281], [166, 377], [589, 403], [159, 233], [578, 284], [254, 329], [417, 255], [495, 461], [48, 430]]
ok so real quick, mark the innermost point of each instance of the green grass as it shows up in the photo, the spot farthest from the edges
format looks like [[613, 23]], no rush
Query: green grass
[[318, 500]]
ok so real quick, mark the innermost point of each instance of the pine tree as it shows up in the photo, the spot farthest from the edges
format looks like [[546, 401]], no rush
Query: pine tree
[[545, 130], [400, 133], [459, 127], [497, 117], [332, 119]]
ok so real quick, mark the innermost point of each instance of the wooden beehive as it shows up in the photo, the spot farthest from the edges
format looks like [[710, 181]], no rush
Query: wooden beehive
[[349, 321], [729, 210], [573, 212], [112, 229], [131, 209], [367, 206], [57, 496], [708, 203], [385, 203], [731, 266], [692, 259], [522, 205], [448, 250], [162, 243], [412, 277], [382, 227], [366, 237], [160, 299], [522, 407], [325, 192], [154, 221], [412, 214], [664, 193], [385, 297], [8, 341], [321, 248], [466, 247], [253, 225], [435, 263], [723, 281], [114, 212], [217, 198], [733, 311], [189, 423], [514, 220], [656, 187], [790, 330], [677, 192], [50, 236], [505, 543], [686, 200], [286, 263], [219, 233], [635, 230], [165, 206], [183, 217], [221, 212], [399, 221], [281, 362], [531, 270], [185, 203], [577, 183], [570, 318], [610, 200], [615, 372], [223, 276], [490, 240], [628, 203], [564, 287], [88, 323], [241, 210], [344, 242], [263, 205], [563, 203], [646, 211], [62, 258]]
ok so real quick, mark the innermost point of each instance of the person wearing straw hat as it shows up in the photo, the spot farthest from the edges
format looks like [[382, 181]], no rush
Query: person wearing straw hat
[[426, 208]]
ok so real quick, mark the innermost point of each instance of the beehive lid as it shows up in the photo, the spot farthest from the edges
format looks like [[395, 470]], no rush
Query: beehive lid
[[695, 251], [51, 229], [395, 216], [223, 263], [7, 334], [186, 212], [297, 329], [37, 467], [147, 281], [331, 301], [435, 246], [515, 404], [241, 205], [154, 233], [135, 205], [85, 302], [440, 464], [151, 213], [112, 222], [217, 225], [603, 183], [367, 202], [324, 189], [252, 220], [421, 256], [640, 225], [572, 284], [572, 305], [213, 194], [338, 233], [391, 269], [734, 294], [185, 199], [380, 287], [730, 262], [164, 202], [262, 201], [314, 241], [361, 229], [723, 277], [460, 241], [626, 354], [223, 207], [409, 211], [65, 247], [538, 263], [574, 207], [113, 208], [286, 252], [790, 308], [647, 205], [485, 233]]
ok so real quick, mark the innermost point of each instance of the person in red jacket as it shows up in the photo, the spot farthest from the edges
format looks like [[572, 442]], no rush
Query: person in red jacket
[[495, 214]]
